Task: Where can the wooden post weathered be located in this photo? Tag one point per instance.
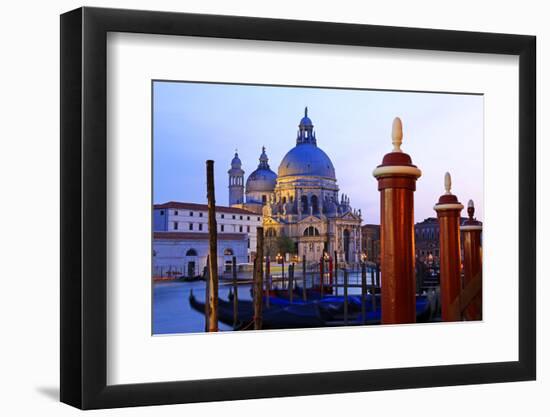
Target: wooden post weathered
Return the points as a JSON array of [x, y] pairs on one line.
[[213, 249], [291, 282], [345, 296], [364, 291], [335, 273], [322, 275], [304, 281], [471, 232], [235, 293], [448, 210], [373, 288], [258, 275], [267, 282], [397, 182], [206, 295]]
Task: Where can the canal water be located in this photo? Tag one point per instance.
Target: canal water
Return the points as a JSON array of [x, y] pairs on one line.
[[173, 314]]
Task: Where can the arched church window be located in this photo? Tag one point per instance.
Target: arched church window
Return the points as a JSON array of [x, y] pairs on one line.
[[305, 205], [311, 231], [191, 252], [264, 199], [284, 200], [315, 204], [228, 252], [271, 232]]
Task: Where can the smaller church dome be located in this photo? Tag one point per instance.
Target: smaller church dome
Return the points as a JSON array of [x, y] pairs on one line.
[[263, 179]]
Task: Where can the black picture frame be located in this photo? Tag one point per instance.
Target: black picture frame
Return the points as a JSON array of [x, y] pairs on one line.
[[84, 207]]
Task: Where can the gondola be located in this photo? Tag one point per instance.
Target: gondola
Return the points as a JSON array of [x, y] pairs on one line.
[[291, 316]]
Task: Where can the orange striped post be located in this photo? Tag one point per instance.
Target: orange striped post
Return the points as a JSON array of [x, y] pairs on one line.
[[471, 232], [448, 210], [397, 182]]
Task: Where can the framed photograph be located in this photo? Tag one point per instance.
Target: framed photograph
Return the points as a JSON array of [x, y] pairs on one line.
[[258, 208]]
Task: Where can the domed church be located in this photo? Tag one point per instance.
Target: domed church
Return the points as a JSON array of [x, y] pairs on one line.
[[301, 201]]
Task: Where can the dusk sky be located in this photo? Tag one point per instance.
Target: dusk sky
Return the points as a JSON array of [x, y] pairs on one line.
[[194, 122]]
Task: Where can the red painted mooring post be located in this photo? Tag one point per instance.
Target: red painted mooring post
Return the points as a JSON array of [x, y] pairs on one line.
[[448, 210], [397, 182], [471, 232]]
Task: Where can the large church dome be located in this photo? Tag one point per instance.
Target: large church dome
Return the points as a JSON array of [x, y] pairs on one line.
[[263, 179], [306, 159]]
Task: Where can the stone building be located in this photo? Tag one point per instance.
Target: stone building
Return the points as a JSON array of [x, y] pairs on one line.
[[370, 242], [302, 201], [180, 237]]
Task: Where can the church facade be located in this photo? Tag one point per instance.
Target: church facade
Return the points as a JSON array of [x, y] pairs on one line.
[[302, 201]]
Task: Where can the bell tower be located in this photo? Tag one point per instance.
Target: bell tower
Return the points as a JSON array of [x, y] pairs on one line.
[[236, 182]]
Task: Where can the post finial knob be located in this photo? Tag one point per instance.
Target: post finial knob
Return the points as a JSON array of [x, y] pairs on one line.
[[448, 183], [397, 135], [471, 209]]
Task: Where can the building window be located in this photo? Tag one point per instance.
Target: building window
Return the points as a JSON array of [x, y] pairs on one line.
[[315, 204], [234, 217], [175, 212], [223, 216], [311, 231], [191, 252], [271, 232], [240, 229], [258, 219], [228, 252], [175, 225], [200, 226], [222, 228], [191, 213], [248, 244], [190, 226], [247, 229], [200, 214], [162, 212], [247, 217], [264, 199]]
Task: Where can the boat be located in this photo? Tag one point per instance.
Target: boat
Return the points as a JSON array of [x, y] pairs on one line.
[[290, 316]]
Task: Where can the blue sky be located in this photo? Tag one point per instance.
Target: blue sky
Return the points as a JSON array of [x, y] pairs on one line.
[[194, 122]]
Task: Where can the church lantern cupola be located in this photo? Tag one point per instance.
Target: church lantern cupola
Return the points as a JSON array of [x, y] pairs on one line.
[[305, 131]]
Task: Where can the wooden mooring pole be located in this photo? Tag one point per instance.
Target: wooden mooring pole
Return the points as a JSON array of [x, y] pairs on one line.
[[471, 232], [213, 249], [345, 296], [448, 210], [291, 282], [335, 273], [322, 275], [363, 291], [397, 182], [373, 288], [258, 275], [267, 281], [206, 295], [304, 278], [235, 293]]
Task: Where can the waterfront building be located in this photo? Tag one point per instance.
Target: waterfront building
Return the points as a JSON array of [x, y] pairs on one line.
[[302, 202], [370, 242], [180, 238], [426, 235]]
